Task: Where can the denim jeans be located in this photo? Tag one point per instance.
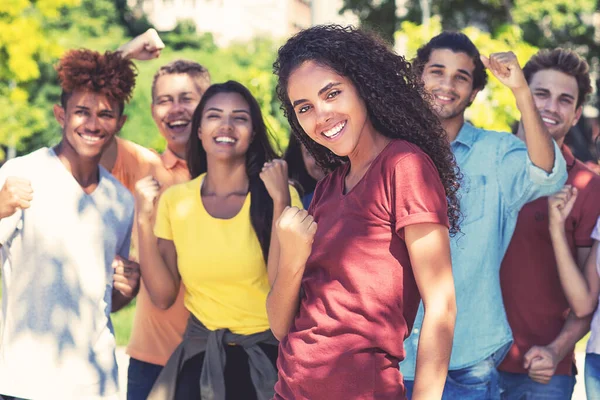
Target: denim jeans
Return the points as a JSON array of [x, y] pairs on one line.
[[521, 387], [140, 378], [592, 376], [477, 382]]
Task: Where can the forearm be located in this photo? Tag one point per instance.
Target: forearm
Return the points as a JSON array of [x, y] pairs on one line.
[[283, 301], [540, 146], [574, 284], [160, 282], [273, 259], [574, 329], [435, 347], [119, 301]]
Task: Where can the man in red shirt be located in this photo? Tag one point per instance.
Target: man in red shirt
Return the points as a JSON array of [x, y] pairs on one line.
[[541, 359]]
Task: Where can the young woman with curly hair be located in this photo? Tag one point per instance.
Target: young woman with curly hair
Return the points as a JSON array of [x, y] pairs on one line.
[[213, 235], [375, 239]]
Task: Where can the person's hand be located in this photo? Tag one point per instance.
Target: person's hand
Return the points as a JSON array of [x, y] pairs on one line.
[[126, 277], [15, 194], [146, 46], [506, 68], [146, 192], [274, 174], [540, 362], [560, 205], [296, 231]]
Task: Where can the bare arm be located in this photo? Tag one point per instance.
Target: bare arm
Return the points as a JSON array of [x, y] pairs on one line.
[[540, 146], [158, 257], [541, 361], [146, 46], [580, 281], [274, 174], [296, 230], [429, 249]]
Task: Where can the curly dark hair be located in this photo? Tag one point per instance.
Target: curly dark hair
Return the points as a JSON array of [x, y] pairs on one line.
[[109, 74], [395, 100], [457, 42], [259, 152], [565, 61]]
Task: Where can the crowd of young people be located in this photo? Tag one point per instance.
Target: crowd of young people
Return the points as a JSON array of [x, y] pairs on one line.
[[396, 251]]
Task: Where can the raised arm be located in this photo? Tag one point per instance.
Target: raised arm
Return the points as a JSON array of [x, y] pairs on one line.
[[296, 231], [158, 257], [581, 283], [429, 249], [540, 146], [275, 177], [146, 46]]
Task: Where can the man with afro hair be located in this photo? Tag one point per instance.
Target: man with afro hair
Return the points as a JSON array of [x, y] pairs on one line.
[[63, 220]]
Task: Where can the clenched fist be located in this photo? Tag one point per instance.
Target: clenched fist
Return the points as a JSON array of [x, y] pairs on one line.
[[506, 68], [296, 231], [560, 205], [274, 174], [146, 192], [15, 194], [146, 46], [126, 278]]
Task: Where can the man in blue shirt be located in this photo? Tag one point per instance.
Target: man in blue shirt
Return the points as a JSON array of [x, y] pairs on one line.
[[501, 174]]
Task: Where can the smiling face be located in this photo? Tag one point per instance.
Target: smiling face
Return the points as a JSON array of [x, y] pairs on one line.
[[89, 122], [328, 107], [555, 95], [226, 126], [175, 98], [448, 77]]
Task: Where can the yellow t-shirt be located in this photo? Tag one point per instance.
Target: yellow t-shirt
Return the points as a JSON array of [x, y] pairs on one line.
[[220, 260]]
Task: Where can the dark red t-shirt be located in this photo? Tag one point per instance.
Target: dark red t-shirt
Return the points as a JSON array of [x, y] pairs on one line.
[[360, 296], [535, 303]]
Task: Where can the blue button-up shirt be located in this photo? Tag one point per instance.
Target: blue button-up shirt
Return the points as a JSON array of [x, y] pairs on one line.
[[498, 179]]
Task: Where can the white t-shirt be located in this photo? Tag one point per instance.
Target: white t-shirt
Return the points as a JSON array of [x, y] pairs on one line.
[[56, 336], [593, 345]]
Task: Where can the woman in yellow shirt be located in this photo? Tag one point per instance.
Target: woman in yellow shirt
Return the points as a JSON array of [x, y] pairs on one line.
[[214, 235]]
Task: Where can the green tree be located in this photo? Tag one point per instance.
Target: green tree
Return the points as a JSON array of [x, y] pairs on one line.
[[376, 15], [24, 46]]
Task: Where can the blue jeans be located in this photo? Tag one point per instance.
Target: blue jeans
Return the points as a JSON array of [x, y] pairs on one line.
[[521, 387], [592, 376], [477, 382], [140, 378]]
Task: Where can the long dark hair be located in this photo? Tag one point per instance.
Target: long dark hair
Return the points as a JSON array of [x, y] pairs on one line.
[[296, 167], [259, 152], [394, 98]]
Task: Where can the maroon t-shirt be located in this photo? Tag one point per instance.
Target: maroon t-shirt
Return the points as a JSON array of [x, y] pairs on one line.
[[535, 303], [360, 297]]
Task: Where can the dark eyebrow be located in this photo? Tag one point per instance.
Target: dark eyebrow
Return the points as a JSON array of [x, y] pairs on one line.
[[465, 72], [567, 95], [82, 108], [213, 109], [241, 111], [323, 90]]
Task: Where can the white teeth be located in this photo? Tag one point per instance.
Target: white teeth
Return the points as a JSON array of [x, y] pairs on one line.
[[91, 139], [549, 121], [178, 123], [444, 98], [335, 130], [225, 139]]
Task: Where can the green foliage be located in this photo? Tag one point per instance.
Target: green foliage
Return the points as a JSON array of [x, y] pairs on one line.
[[24, 44], [123, 323], [543, 23], [494, 108], [376, 15]]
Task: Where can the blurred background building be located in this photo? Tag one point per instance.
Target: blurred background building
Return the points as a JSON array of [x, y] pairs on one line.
[[240, 20]]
